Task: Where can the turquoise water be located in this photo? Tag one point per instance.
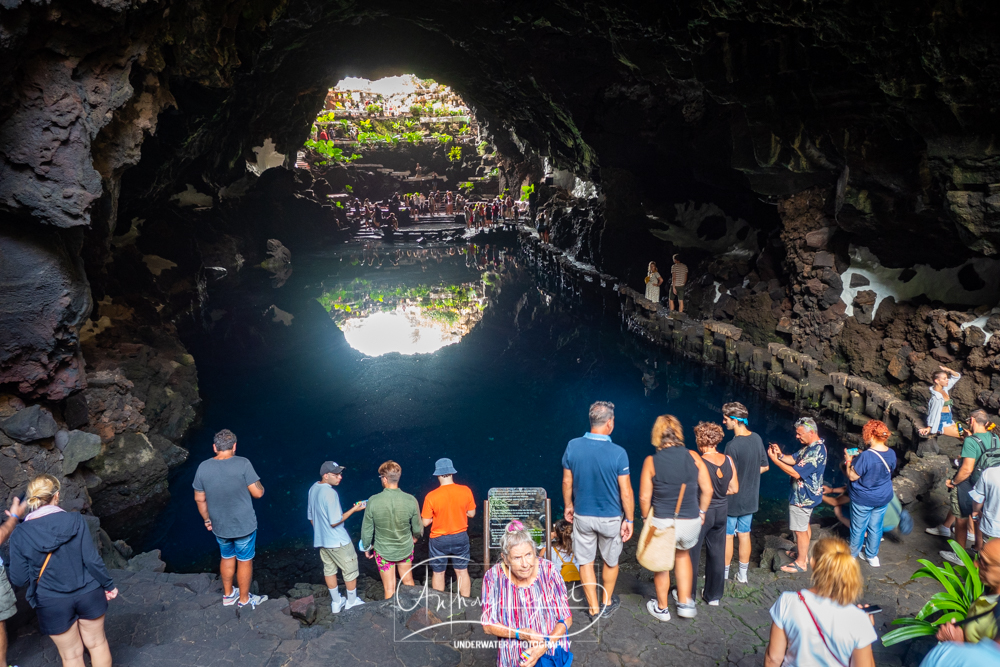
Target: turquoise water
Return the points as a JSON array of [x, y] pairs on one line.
[[501, 403]]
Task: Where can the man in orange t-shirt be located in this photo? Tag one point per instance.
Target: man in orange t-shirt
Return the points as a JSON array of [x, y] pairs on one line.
[[447, 510]]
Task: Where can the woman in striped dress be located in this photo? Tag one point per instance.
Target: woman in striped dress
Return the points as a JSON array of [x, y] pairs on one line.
[[524, 602]]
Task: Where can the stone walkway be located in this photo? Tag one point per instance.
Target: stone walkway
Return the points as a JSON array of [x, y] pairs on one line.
[[178, 619]]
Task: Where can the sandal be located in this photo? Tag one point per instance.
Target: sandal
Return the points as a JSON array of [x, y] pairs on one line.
[[796, 568], [791, 553]]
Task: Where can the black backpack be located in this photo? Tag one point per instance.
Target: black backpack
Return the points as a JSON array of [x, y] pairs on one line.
[[989, 457]]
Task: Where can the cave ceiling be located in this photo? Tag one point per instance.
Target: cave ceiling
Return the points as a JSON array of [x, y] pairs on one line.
[[740, 103]]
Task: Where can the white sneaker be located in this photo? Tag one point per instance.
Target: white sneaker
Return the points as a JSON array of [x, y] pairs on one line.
[[356, 603], [873, 561], [253, 601], [951, 557], [232, 598], [940, 531], [338, 605], [686, 609], [713, 603], [741, 579], [659, 614], [673, 594]]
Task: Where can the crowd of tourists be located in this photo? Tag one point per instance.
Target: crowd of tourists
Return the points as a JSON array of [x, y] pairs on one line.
[[689, 499], [390, 213]]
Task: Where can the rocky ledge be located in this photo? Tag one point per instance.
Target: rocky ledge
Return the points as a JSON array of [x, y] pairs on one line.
[[178, 619]]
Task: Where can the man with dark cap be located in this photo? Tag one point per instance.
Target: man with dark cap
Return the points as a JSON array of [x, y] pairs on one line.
[[447, 510], [330, 536]]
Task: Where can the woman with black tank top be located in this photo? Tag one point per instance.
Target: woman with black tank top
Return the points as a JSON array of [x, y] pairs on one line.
[[674, 477], [722, 472]]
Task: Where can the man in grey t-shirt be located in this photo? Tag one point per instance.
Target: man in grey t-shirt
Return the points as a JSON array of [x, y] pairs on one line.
[[223, 488]]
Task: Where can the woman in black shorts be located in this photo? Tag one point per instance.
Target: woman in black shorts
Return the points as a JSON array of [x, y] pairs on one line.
[[53, 554]]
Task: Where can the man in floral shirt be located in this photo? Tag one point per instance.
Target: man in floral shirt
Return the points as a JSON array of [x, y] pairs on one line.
[[806, 469]]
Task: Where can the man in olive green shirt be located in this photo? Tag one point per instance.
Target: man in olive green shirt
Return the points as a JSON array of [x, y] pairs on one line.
[[390, 528]]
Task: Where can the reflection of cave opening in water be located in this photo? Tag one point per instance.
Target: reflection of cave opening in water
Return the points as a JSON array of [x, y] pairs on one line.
[[404, 330], [379, 319]]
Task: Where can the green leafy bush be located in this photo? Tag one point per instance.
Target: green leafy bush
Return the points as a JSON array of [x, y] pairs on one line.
[[374, 109], [455, 154], [481, 148], [962, 587], [328, 150], [443, 138], [526, 191], [466, 186]]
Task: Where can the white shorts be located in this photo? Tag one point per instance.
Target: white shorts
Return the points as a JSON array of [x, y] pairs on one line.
[[688, 531]]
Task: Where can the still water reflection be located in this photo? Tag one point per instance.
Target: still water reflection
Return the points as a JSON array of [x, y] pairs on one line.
[[350, 378]]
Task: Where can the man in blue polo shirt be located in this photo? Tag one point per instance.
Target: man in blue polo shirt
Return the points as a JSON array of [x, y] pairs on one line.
[[596, 477]]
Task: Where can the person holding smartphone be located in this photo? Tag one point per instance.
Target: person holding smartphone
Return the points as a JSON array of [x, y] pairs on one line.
[[330, 536], [870, 490]]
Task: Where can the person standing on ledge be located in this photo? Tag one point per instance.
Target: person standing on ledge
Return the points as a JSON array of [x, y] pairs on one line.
[[329, 534], [678, 279], [746, 449], [979, 452], [224, 487], [940, 421], [653, 282], [806, 469], [596, 477], [390, 529], [447, 510]]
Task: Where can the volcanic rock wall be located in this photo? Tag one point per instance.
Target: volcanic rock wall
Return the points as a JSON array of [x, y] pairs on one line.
[[762, 140]]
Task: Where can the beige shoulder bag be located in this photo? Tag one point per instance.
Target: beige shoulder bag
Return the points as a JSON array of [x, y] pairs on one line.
[[657, 545]]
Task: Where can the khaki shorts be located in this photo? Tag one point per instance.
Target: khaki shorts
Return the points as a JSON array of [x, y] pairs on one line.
[[961, 501], [798, 518], [8, 603], [680, 293], [343, 559], [593, 532]]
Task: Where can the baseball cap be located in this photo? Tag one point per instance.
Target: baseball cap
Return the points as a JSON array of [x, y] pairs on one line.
[[330, 466]]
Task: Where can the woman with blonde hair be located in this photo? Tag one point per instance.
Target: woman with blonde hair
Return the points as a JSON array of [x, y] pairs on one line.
[[653, 282], [53, 554], [821, 626], [674, 490]]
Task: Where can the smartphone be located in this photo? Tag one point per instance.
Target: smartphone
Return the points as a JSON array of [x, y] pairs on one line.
[[362, 504], [872, 609], [853, 451]]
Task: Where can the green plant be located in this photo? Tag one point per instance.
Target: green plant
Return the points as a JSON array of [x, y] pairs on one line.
[[416, 110], [338, 204], [526, 191], [466, 186], [481, 148], [455, 154], [962, 587], [464, 129], [328, 150], [348, 189], [412, 137], [365, 125], [374, 109], [495, 171], [443, 138]]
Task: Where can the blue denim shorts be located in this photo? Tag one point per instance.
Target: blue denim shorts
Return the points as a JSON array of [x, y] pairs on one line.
[[946, 420], [454, 547], [738, 524], [242, 548]]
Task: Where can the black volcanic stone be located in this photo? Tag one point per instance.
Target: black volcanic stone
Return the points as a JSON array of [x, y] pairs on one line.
[[858, 280], [32, 423]]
